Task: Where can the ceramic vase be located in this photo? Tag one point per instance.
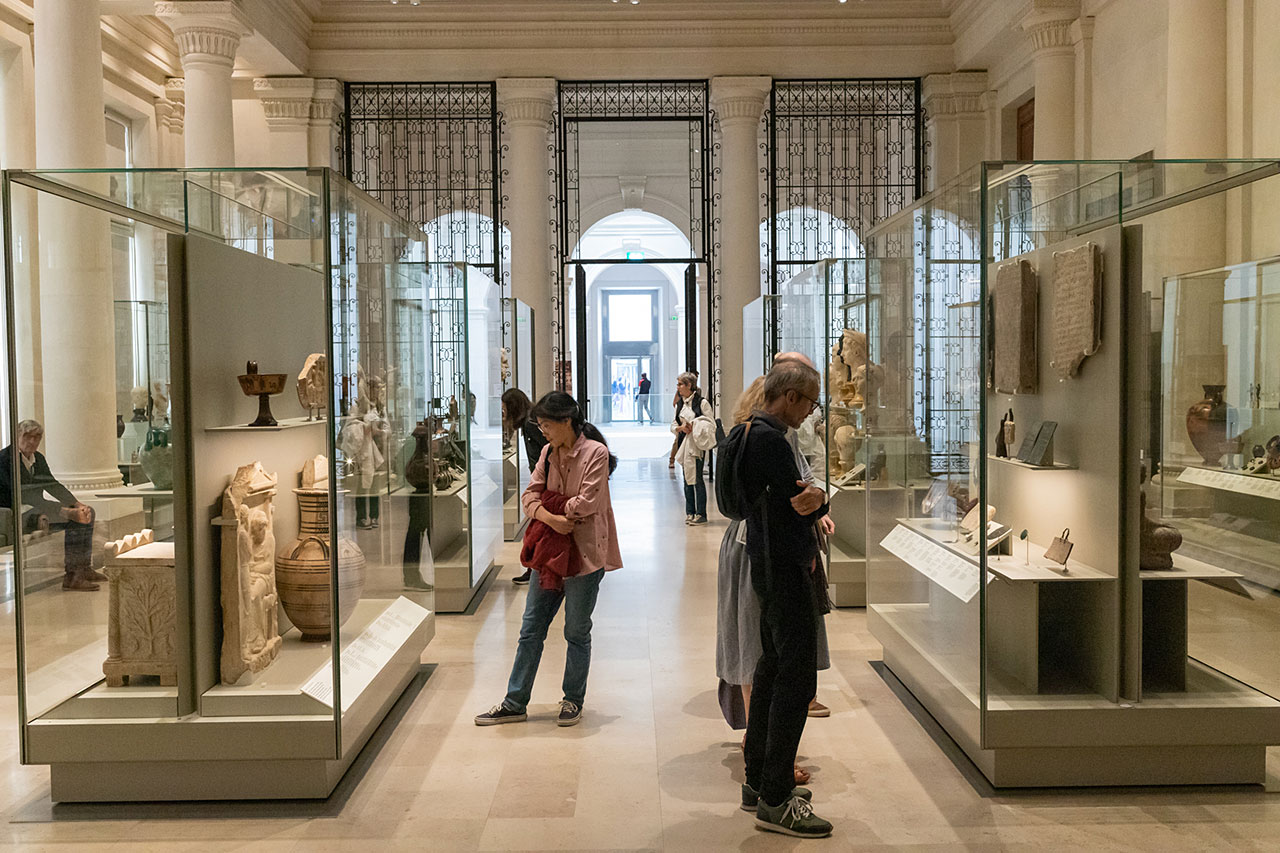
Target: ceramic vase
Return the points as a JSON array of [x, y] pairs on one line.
[[302, 570], [1207, 425], [156, 458], [417, 471], [119, 425]]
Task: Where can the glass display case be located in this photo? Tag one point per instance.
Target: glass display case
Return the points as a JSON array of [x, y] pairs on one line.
[[236, 623], [516, 372], [1076, 581]]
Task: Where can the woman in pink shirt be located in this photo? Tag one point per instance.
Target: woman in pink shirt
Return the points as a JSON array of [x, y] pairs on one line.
[[576, 463]]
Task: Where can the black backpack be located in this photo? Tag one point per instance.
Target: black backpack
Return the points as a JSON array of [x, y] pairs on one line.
[[730, 486]]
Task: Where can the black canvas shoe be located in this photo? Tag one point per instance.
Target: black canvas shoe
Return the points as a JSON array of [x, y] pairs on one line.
[[794, 817], [523, 579], [751, 797], [499, 714], [570, 714]]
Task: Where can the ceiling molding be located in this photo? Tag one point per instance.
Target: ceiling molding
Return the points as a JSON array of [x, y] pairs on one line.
[[570, 35]]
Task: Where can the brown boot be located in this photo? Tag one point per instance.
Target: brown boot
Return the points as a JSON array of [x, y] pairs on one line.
[[78, 583], [95, 576]]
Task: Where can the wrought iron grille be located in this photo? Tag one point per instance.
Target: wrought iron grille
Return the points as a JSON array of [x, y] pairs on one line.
[[430, 151], [580, 102], [843, 155]]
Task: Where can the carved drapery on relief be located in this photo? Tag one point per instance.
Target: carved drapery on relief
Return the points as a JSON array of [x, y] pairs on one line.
[[250, 629], [142, 610]]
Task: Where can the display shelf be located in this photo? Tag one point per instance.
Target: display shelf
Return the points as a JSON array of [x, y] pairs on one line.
[[286, 423], [1254, 485], [1018, 463], [142, 490], [1253, 557]]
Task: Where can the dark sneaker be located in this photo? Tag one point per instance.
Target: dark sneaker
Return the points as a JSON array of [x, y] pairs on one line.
[[570, 714], [78, 584], [699, 519], [524, 578], [751, 797], [794, 817], [499, 714]]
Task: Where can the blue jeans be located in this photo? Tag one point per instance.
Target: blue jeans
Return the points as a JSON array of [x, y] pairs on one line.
[[695, 496], [540, 607]]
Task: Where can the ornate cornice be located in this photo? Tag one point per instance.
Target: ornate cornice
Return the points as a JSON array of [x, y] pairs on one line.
[[175, 89], [164, 114], [179, 117]]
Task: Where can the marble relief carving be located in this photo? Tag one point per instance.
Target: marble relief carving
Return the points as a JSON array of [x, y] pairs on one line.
[[250, 626], [1077, 308], [1016, 310], [313, 385], [142, 611]]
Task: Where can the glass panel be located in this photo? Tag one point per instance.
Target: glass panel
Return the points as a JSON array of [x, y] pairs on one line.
[[484, 421]]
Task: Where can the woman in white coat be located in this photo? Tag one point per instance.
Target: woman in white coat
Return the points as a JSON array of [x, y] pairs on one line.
[[696, 420]]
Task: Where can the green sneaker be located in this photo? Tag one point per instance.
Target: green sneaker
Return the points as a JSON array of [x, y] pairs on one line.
[[750, 796], [794, 817]]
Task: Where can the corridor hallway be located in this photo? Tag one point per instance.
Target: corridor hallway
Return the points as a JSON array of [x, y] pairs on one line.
[[652, 765]]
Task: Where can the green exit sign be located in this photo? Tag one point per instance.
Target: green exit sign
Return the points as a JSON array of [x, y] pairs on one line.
[[635, 256]]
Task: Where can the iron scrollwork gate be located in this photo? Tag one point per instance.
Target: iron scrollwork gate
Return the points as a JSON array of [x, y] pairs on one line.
[[430, 152]]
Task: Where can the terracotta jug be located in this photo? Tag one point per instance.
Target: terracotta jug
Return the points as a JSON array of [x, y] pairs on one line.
[[1207, 425], [302, 570]]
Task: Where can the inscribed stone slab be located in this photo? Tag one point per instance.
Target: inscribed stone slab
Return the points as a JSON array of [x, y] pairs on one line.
[[1077, 308], [1017, 306]]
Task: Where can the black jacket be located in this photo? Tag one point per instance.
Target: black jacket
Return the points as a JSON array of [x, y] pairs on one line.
[[34, 486], [779, 539], [534, 441]]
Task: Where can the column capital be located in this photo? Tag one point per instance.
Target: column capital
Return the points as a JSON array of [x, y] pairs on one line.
[[527, 101], [960, 94], [328, 101], [286, 101], [1048, 23], [739, 99], [209, 30]]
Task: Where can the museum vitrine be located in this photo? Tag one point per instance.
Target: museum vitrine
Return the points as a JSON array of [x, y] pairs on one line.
[[283, 607], [1079, 581]]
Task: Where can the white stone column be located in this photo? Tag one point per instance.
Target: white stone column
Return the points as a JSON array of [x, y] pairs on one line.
[[1048, 24], [955, 105], [1082, 40], [327, 105], [738, 103], [286, 101], [77, 330], [1196, 99], [208, 35], [528, 105]]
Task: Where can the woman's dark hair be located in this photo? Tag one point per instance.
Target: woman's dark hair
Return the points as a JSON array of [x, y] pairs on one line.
[[559, 406], [517, 406]]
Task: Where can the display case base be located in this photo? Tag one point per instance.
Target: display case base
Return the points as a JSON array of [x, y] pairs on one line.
[[1214, 735], [454, 593]]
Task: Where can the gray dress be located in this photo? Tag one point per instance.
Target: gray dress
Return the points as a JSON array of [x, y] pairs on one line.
[[738, 643]]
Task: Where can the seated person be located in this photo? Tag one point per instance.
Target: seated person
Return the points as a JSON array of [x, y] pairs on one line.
[[51, 505]]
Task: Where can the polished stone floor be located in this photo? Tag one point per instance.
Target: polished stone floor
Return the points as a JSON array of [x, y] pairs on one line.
[[652, 766]]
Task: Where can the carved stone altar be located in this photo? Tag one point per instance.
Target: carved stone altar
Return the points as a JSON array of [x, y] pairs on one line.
[[250, 626], [142, 612]]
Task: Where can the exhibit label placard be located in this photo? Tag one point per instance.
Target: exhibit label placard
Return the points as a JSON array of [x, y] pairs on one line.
[[366, 655]]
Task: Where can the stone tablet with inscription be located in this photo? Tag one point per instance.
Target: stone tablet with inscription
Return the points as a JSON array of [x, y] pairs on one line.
[[1016, 309], [1076, 331]]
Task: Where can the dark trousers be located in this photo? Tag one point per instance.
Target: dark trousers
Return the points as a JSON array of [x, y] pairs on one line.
[[786, 679], [695, 496], [367, 508]]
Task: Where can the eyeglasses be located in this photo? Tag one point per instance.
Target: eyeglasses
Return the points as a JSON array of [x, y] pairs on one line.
[[813, 404]]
